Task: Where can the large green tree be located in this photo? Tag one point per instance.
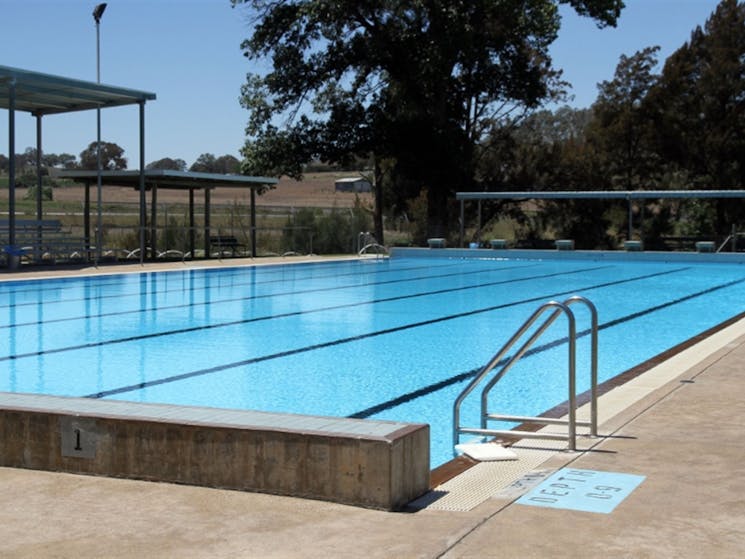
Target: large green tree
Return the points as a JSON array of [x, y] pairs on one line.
[[622, 134], [621, 126], [168, 164], [419, 83], [208, 163], [551, 150], [112, 157], [700, 108]]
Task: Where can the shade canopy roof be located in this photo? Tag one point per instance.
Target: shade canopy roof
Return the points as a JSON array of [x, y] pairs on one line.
[[599, 194], [162, 178], [43, 94]]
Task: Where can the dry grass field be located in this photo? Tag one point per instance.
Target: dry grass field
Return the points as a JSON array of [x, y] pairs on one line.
[[316, 190], [229, 214]]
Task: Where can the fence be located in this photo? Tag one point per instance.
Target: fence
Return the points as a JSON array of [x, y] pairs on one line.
[[177, 242]]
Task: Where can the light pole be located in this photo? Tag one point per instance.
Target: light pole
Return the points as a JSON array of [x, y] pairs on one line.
[[97, 13]]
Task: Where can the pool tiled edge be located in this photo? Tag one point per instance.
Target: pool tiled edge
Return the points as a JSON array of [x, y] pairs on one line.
[[592, 255], [375, 464]]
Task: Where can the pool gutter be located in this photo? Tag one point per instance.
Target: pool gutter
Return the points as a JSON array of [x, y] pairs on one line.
[[594, 255]]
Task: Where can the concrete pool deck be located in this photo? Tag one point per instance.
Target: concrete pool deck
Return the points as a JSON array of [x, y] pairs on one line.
[[685, 433]]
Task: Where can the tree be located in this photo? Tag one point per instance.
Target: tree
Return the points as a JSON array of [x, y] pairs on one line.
[[27, 161], [419, 83], [112, 157], [227, 165], [205, 163], [622, 121], [66, 161], [549, 150], [168, 164], [535, 153], [622, 133], [700, 108], [224, 165]]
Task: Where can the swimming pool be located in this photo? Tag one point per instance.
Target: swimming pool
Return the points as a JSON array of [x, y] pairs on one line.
[[388, 339]]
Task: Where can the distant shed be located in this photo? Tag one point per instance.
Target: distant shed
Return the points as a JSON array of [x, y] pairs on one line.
[[353, 184]]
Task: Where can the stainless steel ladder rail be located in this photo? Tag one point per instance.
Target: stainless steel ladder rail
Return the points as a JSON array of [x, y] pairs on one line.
[[560, 307], [571, 422], [593, 423], [366, 241]]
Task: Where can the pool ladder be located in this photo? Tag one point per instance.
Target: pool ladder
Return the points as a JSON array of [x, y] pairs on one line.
[[367, 243], [571, 421]]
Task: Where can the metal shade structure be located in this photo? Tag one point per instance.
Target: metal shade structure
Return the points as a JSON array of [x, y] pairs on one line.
[[154, 179], [166, 178], [599, 194], [43, 94]]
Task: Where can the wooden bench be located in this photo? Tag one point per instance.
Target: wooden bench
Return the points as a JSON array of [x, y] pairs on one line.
[[223, 242]]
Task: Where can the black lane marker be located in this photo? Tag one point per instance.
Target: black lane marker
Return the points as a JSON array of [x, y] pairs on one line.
[[254, 297], [340, 341], [147, 276], [103, 281], [140, 337], [429, 389], [264, 296]]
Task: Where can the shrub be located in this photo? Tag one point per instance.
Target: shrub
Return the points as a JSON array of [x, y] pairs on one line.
[[332, 233]]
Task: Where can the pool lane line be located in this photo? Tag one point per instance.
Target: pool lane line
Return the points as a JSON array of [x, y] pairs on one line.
[[270, 295], [237, 322], [207, 272], [431, 388], [340, 341], [243, 299], [266, 295], [145, 275], [60, 282], [114, 279]]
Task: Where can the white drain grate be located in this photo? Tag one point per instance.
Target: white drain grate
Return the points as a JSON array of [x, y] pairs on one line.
[[482, 481]]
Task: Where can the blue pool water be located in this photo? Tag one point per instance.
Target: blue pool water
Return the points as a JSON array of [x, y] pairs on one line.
[[390, 339]]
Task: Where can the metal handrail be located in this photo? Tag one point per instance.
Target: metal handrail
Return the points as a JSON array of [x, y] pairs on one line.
[[364, 238], [571, 422], [378, 249], [366, 241]]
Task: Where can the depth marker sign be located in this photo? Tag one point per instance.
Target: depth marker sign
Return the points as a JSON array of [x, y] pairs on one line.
[[585, 490]]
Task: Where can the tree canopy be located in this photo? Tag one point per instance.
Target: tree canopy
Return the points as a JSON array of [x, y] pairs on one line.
[[168, 164], [678, 128], [208, 163], [112, 157], [701, 100], [416, 83], [622, 115]]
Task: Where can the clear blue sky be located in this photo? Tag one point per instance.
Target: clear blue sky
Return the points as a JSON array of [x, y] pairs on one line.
[[188, 53]]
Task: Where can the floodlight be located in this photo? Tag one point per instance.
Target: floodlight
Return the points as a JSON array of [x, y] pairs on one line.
[[98, 12]]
